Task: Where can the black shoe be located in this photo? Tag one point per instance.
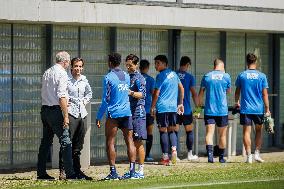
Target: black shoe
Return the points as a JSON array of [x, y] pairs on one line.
[[82, 174], [75, 177], [45, 177]]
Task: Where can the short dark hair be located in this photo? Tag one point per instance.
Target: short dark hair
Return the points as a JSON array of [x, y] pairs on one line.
[[251, 58], [133, 58], [217, 61], [114, 58], [144, 64], [75, 60], [162, 58], [184, 60]]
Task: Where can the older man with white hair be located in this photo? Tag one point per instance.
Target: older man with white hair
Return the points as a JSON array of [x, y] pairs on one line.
[[54, 116]]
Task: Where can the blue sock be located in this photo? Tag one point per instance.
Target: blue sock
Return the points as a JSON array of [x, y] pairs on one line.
[[164, 140], [112, 169], [221, 153], [189, 140], [132, 167], [209, 149], [149, 143], [173, 138]]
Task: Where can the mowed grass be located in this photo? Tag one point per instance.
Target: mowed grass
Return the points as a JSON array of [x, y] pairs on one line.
[[183, 175]]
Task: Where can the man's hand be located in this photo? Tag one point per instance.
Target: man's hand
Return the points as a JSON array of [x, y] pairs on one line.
[[98, 123], [180, 109], [152, 112], [66, 122]]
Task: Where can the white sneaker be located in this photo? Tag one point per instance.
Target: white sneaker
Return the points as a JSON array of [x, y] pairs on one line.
[[258, 158], [191, 157], [249, 159]]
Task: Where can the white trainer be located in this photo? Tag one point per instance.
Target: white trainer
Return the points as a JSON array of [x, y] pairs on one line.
[[258, 158], [191, 157], [249, 159]]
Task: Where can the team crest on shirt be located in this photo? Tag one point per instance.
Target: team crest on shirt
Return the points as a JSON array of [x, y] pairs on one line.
[[252, 75], [123, 87], [217, 76], [171, 75], [181, 75]]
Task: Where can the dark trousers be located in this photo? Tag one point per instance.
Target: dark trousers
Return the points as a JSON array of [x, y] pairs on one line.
[[52, 120], [77, 130]]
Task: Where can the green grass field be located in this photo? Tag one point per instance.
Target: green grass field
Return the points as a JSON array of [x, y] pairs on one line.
[[184, 175]]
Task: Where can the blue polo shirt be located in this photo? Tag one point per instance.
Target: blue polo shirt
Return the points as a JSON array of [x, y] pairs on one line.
[[167, 83], [137, 84], [187, 81], [115, 95], [216, 84], [150, 84], [251, 83]]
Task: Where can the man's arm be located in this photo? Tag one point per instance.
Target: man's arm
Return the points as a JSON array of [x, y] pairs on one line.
[[154, 101], [194, 96], [63, 105], [200, 96], [265, 100], [237, 96]]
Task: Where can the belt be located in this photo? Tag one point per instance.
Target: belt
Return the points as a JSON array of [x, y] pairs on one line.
[[51, 107]]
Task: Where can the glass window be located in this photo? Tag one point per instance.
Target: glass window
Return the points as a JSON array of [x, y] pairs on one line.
[[94, 50], [281, 92], [5, 91], [128, 42], [29, 61], [154, 42], [65, 38]]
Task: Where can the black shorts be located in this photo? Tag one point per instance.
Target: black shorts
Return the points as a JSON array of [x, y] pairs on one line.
[[184, 119], [149, 120], [219, 121], [166, 119], [123, 122], [249, 119]]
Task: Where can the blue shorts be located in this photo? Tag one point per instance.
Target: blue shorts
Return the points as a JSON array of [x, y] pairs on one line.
[[219, 121], [166, 119], [184, 119], [123, 122], [139, 129], [248, 119], [149, 120]]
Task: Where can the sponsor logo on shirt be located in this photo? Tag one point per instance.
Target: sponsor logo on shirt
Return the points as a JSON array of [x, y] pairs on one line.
[[252, 75], [123, 87], [171, 75], [181, 75], [217, 76]]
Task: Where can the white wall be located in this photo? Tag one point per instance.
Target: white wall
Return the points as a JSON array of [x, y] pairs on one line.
[[154, 16], [277, 4]]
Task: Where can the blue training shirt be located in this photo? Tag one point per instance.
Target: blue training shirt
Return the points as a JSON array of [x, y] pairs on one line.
[[216, 84], [137, 84], [150, 85], [187, 81], [167, 83], [115, 95], [251, 83]]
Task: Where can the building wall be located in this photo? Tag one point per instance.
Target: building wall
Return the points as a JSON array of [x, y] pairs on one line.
[[31, 32]]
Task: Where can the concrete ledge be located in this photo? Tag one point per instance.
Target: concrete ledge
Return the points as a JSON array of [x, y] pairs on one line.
[[138, 16]]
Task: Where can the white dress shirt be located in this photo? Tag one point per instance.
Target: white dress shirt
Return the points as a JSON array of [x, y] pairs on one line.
[[80, 93], [54, 85]]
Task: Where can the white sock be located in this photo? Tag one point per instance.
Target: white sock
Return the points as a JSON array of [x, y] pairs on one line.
[[190, 153], [256, 152], [141, 168], [165, 156]]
